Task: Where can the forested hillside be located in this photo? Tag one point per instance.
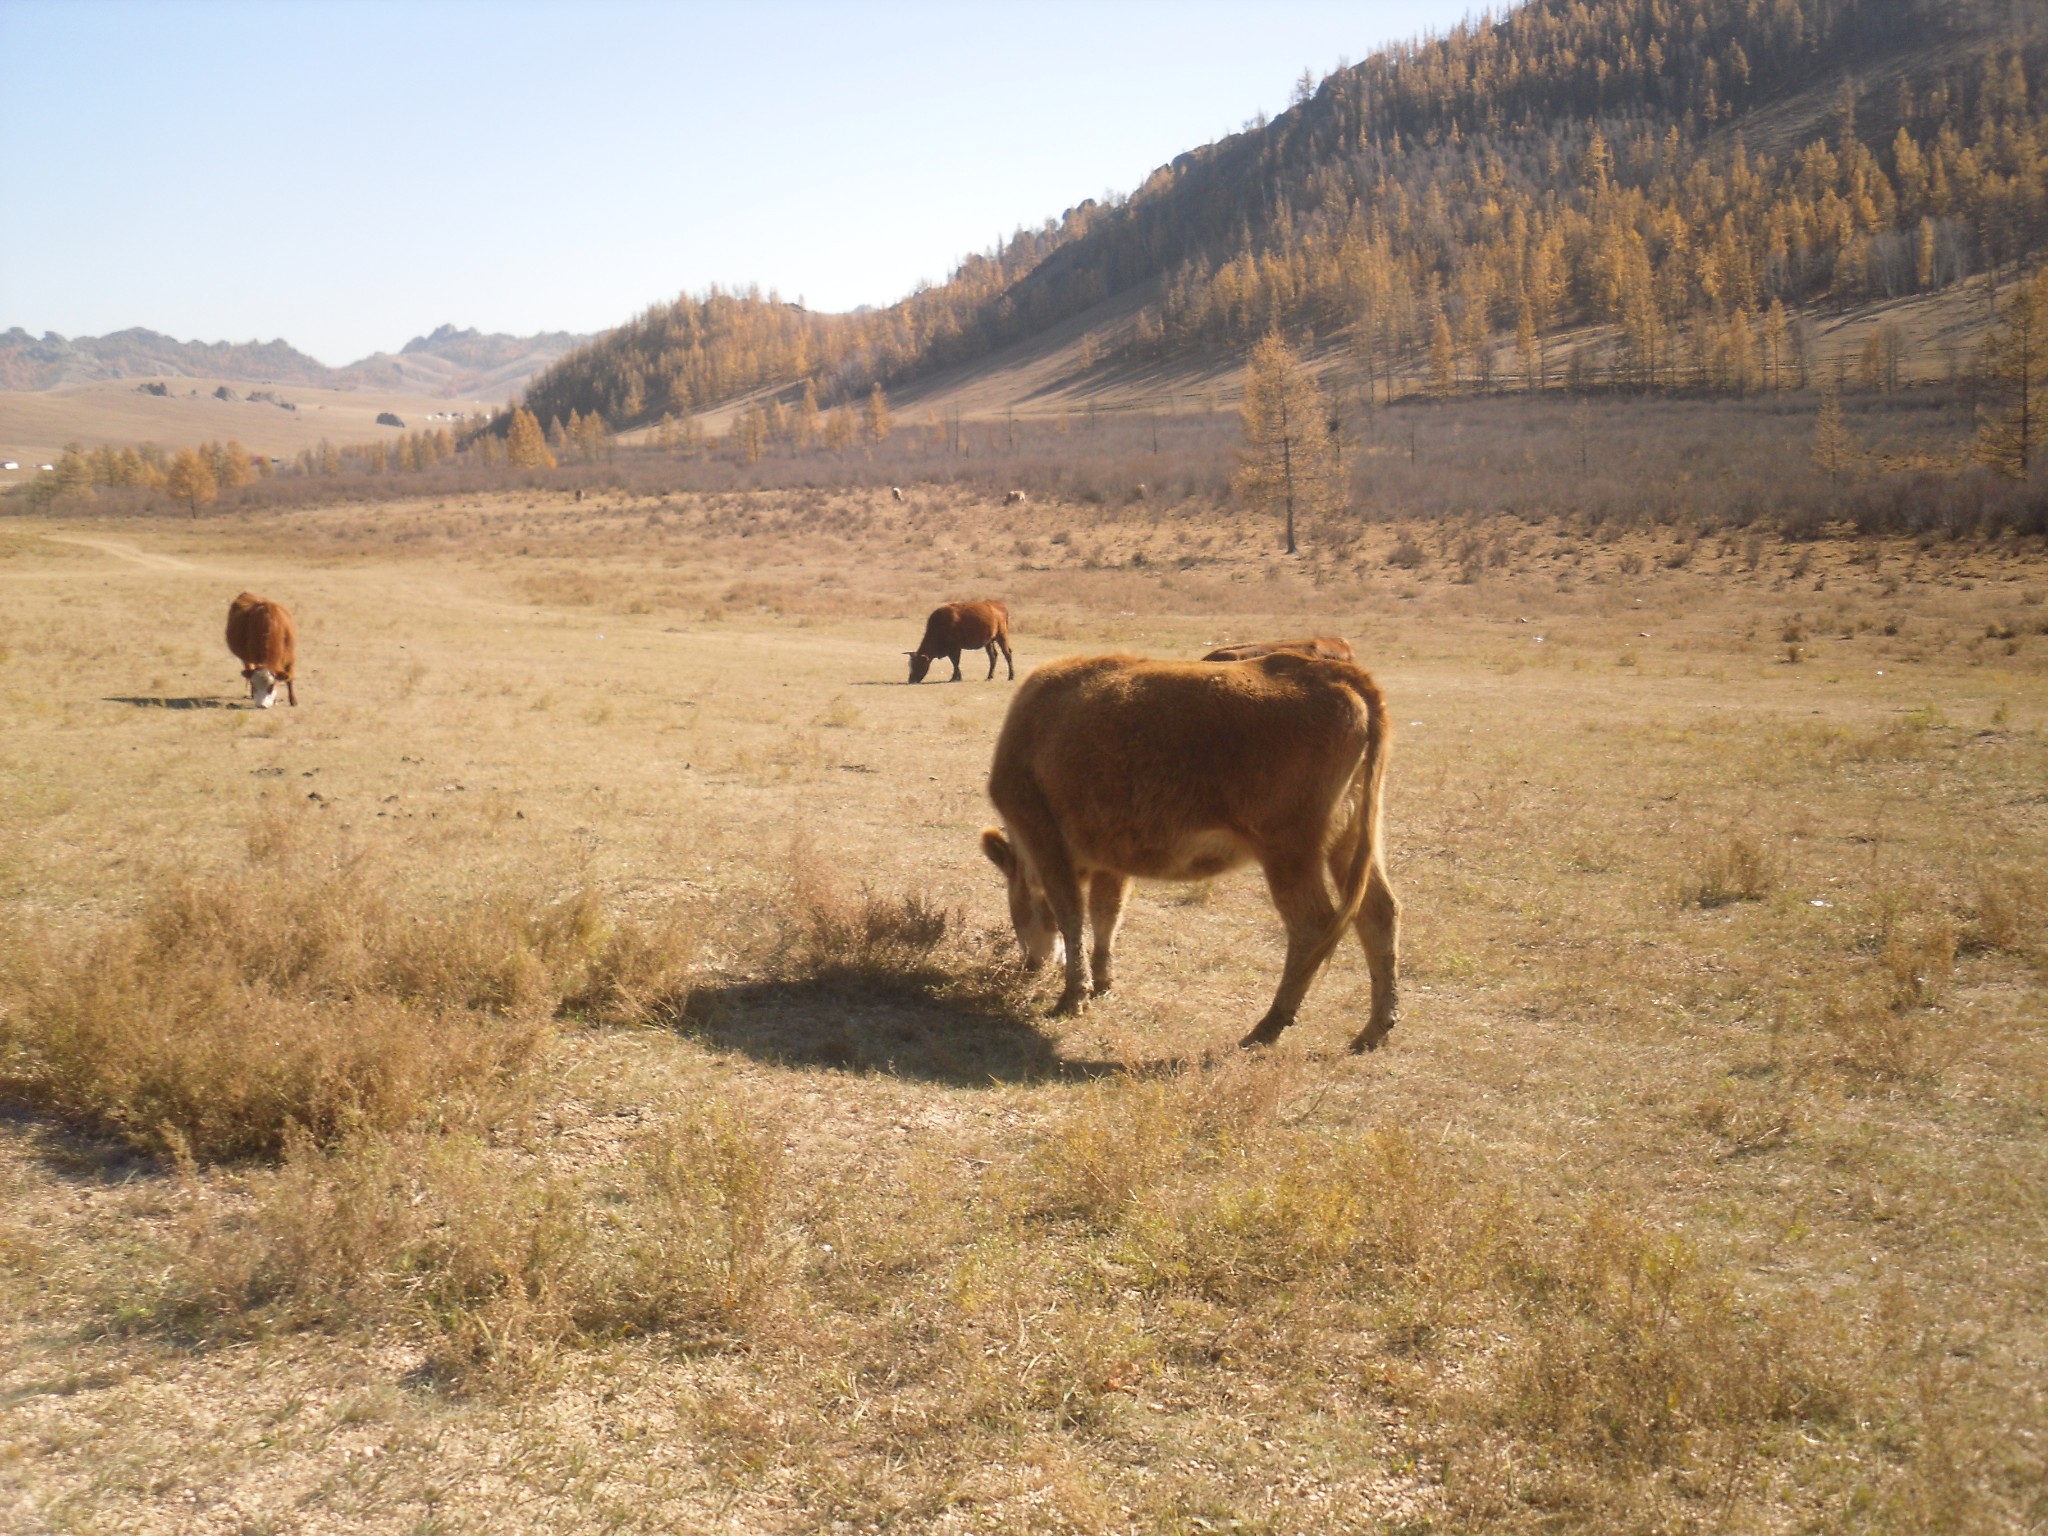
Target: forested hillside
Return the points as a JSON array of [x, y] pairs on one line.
[[1689, 173]]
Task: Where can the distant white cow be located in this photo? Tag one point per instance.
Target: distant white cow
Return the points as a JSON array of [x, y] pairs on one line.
[[895, 493], [1015, 499]]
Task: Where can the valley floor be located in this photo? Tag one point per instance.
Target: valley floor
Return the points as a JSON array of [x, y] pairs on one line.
[[1698, 1188]]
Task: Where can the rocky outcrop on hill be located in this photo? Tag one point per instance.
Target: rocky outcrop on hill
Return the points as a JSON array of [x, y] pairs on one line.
[[487, 366]]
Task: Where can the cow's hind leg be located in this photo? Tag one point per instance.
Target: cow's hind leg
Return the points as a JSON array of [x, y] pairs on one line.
[[1379, 932], [1008, 660], [991, 649], [1038, 837], [1297, 887], [1106, 892]]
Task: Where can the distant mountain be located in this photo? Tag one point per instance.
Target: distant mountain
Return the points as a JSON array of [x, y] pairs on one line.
[[471, 362], [448, 362], [29, 363]]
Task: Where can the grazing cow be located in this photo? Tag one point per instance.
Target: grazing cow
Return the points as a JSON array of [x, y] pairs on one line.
[[895, 493], [957, 627], [1109, 768], [264, 640], [1329, 647], [1014, 498]]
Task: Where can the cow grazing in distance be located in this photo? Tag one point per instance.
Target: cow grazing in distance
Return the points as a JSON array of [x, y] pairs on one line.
[[1329, 647], [956, 627], [1014, 498], [895, 493], [1111, 768], [265, 641]]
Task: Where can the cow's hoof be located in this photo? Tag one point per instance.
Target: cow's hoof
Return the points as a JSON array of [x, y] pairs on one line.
[[1371, 1037], [1069, 1005], [1266, 1033]]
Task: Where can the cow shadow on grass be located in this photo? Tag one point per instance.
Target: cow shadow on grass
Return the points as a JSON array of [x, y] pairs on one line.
[[196, 701], [878, 1027]]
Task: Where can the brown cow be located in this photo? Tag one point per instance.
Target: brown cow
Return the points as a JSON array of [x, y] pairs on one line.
[[1330, 647], [264, 640], [1109, 768], [957, 627]]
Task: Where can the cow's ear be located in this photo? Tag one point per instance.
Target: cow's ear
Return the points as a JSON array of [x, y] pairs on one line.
[[999, 852]]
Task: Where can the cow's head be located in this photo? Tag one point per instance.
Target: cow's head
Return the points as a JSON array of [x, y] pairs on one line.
[[1038, 932], [262, 686], [919, 665]]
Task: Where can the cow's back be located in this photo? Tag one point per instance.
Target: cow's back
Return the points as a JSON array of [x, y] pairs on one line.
[[261, 634], [1329, 647], [963, 626], [1128, 753]]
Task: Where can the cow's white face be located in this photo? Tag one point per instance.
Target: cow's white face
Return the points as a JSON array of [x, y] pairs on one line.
[[262, 687], [1038, 932]]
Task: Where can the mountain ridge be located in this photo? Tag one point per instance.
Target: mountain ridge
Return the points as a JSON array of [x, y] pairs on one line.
[[447, 361]]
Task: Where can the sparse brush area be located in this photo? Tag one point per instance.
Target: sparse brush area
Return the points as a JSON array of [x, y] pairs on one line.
[[571, 1074], [235, 1012]]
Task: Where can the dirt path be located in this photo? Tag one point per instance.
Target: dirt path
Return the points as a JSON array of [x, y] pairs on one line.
[[121, 551]]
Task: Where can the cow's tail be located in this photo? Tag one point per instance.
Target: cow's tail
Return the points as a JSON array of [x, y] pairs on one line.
[[1368, 777]]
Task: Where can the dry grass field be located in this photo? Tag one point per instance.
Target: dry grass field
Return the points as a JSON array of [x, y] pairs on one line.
[[569, 1075], [36, 424]]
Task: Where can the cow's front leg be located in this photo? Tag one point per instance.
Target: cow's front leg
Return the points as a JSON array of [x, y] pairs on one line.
[[954, 657], [1106, 892], [1064, 897]]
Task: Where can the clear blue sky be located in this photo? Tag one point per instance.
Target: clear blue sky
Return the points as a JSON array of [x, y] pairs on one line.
[[349, 175]]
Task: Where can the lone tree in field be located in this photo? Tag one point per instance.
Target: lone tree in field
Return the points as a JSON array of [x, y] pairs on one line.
[[1832, 449], [1288, 463], [2014, 366], [875, 420], [526, 446], [190, 480]]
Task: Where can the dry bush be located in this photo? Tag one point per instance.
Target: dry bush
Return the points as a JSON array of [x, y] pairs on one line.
[[710, 1255], [426, 1228], [500, 1263], [1121, 1137], [1633, 1347], [1732, 866], [2010, 911], [231, 1012], [900, 943], [1588, 1333], [1919, 958], [1873, 1034]]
